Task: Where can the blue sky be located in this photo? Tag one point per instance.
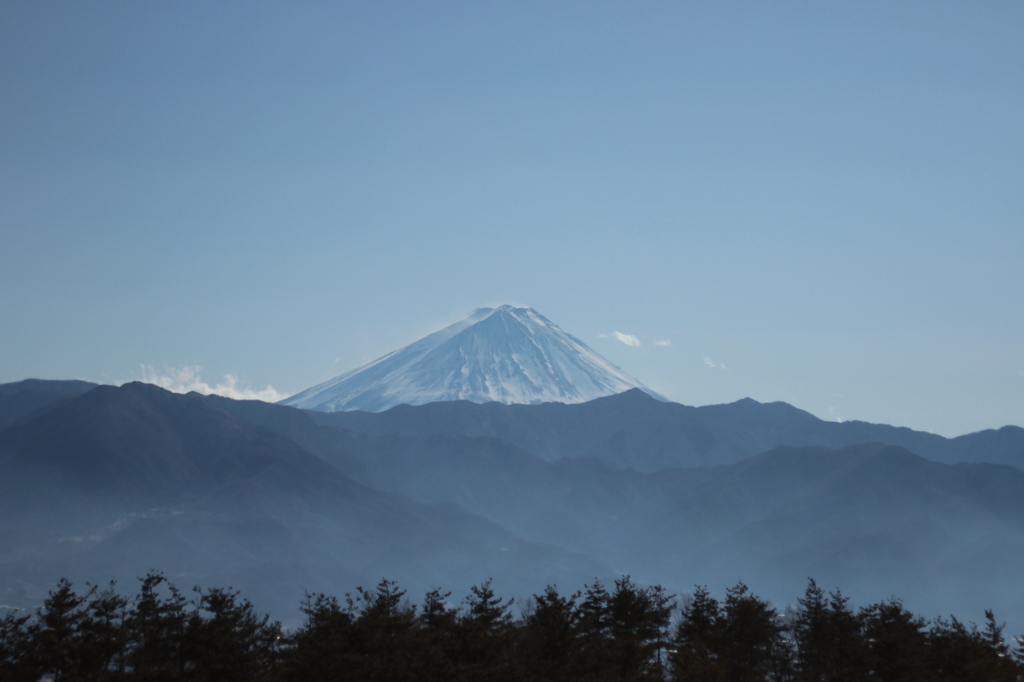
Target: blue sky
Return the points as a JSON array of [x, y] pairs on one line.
[[821, 203]]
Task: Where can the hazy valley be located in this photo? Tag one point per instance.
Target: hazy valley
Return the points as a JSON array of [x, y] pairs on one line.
[[109, 482]]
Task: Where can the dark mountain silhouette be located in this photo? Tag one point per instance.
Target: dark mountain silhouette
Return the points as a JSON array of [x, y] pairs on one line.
[[122, 480], [24, 398], [876, 519], [274, 499], [633, 430]]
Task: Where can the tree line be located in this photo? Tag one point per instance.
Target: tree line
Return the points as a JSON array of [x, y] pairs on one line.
[[619, 632]]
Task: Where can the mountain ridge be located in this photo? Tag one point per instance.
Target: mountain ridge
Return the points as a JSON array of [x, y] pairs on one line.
[[122, 480], [874, 518], [274, 499], [633, 430]]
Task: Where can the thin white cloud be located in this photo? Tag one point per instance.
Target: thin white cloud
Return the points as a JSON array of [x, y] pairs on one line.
[[714, 365], [835, 415], [602, 336], [663, 343], [187, 379], [627, 339]]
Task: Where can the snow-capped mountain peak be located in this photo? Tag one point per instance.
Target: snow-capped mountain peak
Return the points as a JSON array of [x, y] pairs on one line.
[[504, 354]]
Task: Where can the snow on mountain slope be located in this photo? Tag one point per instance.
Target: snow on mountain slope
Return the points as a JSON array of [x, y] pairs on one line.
[[506, 355]]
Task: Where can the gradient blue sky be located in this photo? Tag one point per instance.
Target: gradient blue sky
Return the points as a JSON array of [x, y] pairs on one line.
[[816, 202]]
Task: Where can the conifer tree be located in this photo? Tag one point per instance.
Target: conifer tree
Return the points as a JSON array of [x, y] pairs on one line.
[[320, 647], [594, 623], [898, 649], [15, 664], [549, 645], [56, 635], [437, 633], [158, 650], [638, 623], [848, 648], [810, 633], [962, 653], [698, 640], [382, 635], [229, 640], [830, 646], [485, 635], [751, 645], [105, 633]]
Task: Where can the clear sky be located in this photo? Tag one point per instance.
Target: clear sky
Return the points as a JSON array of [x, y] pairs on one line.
[[816, 202]]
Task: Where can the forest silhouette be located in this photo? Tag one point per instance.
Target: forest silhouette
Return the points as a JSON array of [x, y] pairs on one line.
[[619, 632]]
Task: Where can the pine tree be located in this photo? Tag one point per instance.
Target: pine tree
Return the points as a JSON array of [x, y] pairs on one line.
[[830, 645], [229, 640], [846, 656], [15, 664], [810, 633], [320, 647], [638, 623], [159, 650], [961, 653], [437, 627], [698, 640], [105, 633], [549, 645], [898, 646], [383, 634], [485, 635], [595, 633], [751, 646], [56, 634]]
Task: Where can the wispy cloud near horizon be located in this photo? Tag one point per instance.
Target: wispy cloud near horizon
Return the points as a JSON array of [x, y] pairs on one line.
[[187, 379], [663, 343]]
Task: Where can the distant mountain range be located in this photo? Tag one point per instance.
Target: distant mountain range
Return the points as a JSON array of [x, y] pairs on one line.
[[100, 482], [506, 355], [633, 430], [120, 480]]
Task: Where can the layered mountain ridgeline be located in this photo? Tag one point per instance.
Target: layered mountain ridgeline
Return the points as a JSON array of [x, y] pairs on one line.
[[875, 517], [23, 398], [123, 479], [566, 401], [276, 499], [633, 430], [619, 631]]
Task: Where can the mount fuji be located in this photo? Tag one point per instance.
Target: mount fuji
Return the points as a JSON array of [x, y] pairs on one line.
[[506, 355]]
